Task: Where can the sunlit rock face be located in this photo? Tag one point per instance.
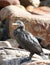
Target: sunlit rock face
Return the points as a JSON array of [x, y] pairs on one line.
[[14, 56], [25, 3], [4, 3], [35, 3]]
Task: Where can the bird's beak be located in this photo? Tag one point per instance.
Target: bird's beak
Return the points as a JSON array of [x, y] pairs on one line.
[[15, 24]]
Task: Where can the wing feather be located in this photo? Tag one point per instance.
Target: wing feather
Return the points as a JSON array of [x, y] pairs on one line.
[[32, 40]]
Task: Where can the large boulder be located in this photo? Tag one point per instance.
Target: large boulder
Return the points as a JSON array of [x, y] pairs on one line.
[[36, 24]]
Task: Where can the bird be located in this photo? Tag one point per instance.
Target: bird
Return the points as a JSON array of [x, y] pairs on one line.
[[26, 40]]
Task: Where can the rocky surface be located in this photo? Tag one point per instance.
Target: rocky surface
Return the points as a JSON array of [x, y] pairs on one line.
[[13, 43], [4, 3], [35, 3], [43, 10], [13, 56], [38, 63]]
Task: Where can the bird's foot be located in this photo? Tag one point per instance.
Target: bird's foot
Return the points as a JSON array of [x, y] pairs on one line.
[[27, 59]]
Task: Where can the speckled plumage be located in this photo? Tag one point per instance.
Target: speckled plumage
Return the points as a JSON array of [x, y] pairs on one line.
[[27, 41]]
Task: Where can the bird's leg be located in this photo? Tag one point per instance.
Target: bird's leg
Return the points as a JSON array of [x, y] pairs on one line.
[[30, 56], [26, 59]]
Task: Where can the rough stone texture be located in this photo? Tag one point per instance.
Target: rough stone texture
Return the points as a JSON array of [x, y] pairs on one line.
[[14, 56], [36, 24], [5, 44], [4, 3], [10, 57], [35, 3], [43, 10], [13, 43], [38, 63]]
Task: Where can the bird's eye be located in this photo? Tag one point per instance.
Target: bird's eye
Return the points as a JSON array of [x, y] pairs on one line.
[[18, 29]]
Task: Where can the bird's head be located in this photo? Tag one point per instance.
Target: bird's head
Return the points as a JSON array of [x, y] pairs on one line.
[[19, 23]]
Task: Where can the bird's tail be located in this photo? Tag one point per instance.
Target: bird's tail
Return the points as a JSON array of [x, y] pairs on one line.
[[44, 56]]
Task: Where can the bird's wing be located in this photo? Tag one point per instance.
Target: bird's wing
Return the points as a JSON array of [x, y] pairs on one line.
[[33, 40]]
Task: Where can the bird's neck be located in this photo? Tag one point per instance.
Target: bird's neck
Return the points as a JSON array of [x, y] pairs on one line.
[[21, 28]]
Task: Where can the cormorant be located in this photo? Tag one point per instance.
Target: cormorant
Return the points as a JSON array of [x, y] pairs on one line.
[[26, 40]]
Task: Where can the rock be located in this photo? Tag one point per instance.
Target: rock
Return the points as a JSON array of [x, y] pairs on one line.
[[38, 63], [11, 56], [39, 10], [4, 16], [45, 8], [35, 3], [36, 24], [45, 3], [46, 51], [4, 3], [5, 44], [13, 43]]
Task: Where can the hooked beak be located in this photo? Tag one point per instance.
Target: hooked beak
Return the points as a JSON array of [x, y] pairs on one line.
[[15, 24]]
